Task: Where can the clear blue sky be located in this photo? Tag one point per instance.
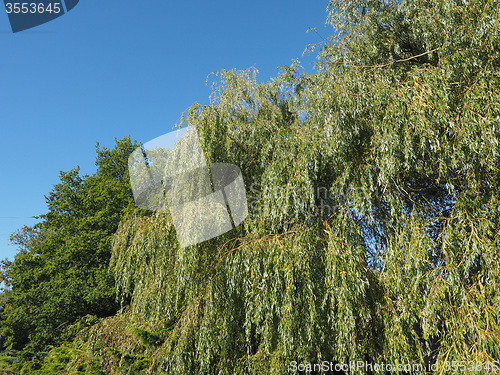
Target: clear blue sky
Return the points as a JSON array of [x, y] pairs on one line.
[[111, 69]]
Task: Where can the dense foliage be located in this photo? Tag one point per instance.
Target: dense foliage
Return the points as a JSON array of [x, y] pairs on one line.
[[61, 273], [373, 188]]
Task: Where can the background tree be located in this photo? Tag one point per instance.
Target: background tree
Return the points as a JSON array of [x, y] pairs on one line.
[[61, 271]]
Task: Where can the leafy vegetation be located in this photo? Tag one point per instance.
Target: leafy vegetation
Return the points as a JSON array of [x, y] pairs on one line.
[[61, 273], [373, 190]]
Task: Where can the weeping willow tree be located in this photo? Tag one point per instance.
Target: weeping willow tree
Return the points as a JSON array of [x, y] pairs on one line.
[[373, 191]]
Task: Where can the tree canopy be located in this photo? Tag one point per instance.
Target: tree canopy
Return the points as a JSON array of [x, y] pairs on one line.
[[373, 190], [61, 272]]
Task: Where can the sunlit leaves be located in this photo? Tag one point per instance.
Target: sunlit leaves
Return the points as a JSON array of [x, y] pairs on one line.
[[399, 132]]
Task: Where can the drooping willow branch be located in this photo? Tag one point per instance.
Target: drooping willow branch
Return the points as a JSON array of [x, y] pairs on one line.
[[383, 65]]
